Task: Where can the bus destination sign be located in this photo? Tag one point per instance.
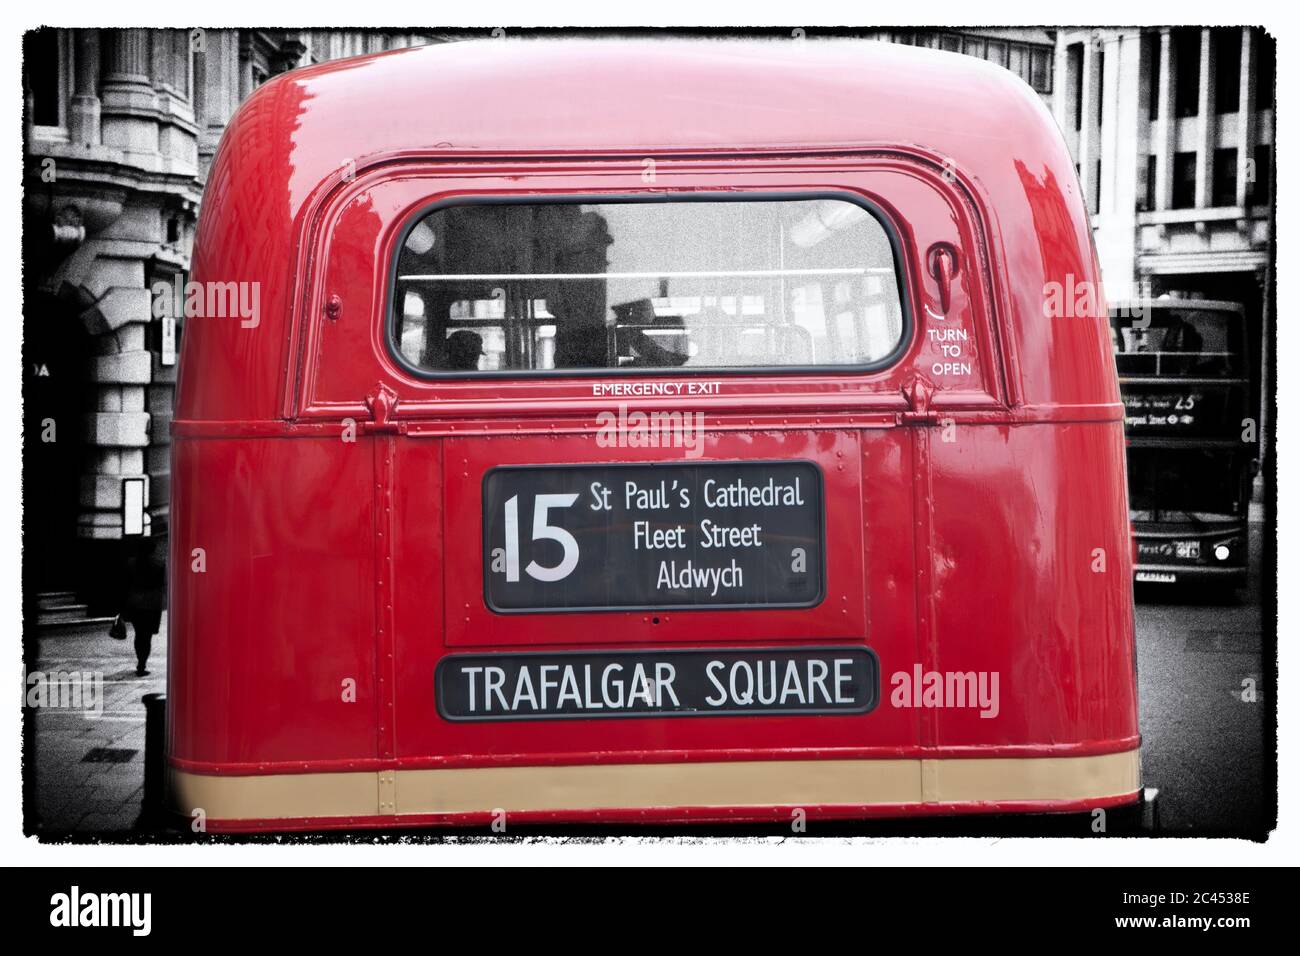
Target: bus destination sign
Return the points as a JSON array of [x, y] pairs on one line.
[[605, 537]]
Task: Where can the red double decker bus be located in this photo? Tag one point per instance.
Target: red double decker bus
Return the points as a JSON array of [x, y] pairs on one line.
[[647, 431]]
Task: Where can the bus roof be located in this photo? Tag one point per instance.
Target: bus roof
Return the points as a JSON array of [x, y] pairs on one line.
[[521, 96]]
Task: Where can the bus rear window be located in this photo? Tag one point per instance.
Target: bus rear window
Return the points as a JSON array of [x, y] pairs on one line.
[[702, 284]]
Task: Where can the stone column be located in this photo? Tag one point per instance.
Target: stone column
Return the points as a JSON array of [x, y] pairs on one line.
[[128, 57], [1124, 151], [1063, 85], [1163, 145], [1089, 129], [1246, 132], [128, 98], [247, 80], [117, 431], [1113, 163], [220, 94], [83, 115], [1205, 124]]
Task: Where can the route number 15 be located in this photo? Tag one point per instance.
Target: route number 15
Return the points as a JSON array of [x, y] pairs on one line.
[[541, 531]]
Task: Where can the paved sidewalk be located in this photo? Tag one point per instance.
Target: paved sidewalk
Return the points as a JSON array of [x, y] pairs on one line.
[[80, 786]]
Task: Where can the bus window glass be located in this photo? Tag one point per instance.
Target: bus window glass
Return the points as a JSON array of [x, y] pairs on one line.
[[550, 286], [1185, 481], [1178, 342]]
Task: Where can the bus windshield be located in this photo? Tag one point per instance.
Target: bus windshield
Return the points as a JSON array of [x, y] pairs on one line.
[[1177, 342]]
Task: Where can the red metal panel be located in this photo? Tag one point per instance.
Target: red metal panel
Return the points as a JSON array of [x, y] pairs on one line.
[[282, 614], [1031, 564], [437, 613]]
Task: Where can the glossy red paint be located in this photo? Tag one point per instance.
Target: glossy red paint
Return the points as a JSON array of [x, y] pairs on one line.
[[326, 561]]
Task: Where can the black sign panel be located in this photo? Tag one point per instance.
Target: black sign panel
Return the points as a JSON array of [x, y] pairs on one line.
[[707, 535], [1182, 410], [717, 682]]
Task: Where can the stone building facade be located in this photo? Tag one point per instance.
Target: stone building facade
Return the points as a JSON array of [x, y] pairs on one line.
[[1028, 52], [1172, 133], [120, 128]]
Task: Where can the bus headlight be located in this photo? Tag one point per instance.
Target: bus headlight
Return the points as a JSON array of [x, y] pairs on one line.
[[1222, 552]]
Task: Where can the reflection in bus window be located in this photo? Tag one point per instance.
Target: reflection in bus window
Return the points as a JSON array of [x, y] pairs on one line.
[[653, 285]]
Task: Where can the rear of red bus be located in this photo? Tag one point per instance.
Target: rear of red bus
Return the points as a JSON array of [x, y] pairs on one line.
[[731, 446]]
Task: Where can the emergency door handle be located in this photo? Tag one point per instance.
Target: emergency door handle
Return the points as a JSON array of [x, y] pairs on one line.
[[918, 391], [943, 269], [382, 402]]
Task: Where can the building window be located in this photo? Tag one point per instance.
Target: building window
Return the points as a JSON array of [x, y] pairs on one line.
[[1224, 190], [1152, 41], [1187, 74], [1184, 181], [1033, 64], [1101, 84], [1040, 69], [42, 69], [524, 287], [1266, 51], [1074, 64], [1017, 61], [1227, 69], [1148, 202]]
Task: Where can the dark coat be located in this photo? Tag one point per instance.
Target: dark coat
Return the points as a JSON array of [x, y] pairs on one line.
[[146, 577]]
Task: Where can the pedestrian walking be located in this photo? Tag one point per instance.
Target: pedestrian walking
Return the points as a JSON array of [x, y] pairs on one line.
[[146, 588]]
